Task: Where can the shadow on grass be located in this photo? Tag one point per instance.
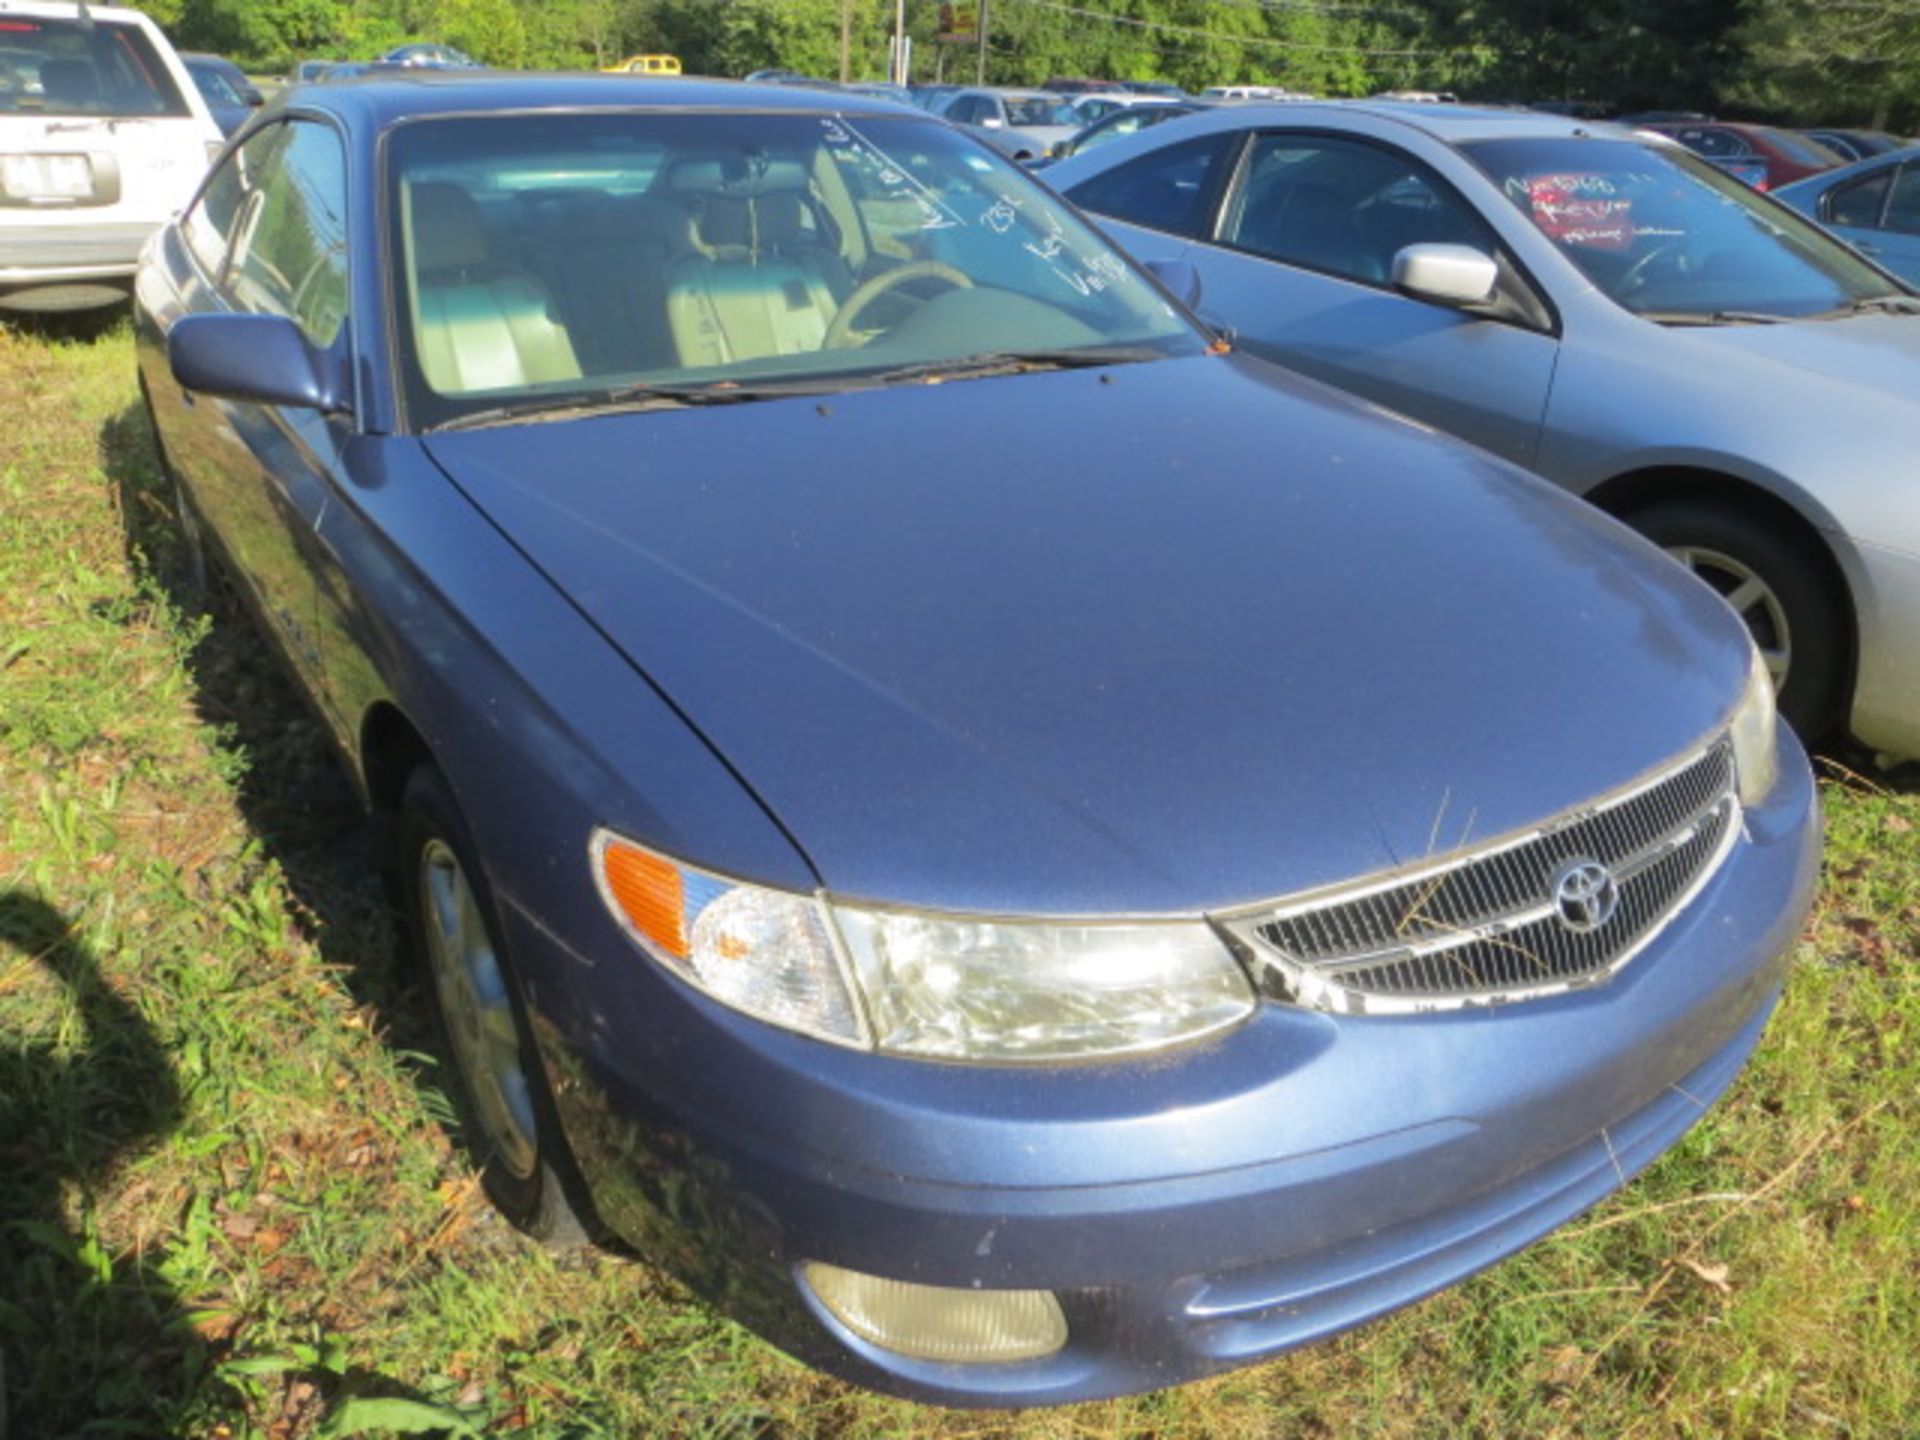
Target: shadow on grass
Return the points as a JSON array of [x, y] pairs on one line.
[[296, 799], [77, 326], [300, 807], [90, 1339]]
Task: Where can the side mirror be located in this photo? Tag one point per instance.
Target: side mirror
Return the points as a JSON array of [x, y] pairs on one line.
[[264, 358], [1180, 277], [1456, 275]]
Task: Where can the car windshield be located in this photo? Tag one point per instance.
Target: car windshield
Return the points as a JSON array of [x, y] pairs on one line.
[[1668, 236], [1024, 110], [82, 66], [598, 259]]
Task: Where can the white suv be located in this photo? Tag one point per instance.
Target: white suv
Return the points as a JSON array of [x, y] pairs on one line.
[[103, 136]]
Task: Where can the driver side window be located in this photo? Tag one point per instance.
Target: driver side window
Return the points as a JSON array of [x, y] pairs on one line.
[[1344, 207]]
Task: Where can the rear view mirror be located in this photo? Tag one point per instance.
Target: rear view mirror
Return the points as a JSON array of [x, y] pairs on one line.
[[264, 358], [1446, 274]]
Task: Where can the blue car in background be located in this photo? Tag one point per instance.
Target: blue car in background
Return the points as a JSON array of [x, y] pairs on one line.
[[1874, 206], [1025, 855], [231, 97]]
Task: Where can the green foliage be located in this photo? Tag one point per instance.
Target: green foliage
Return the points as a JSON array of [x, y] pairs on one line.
[[1857, 63], [1799, 61]]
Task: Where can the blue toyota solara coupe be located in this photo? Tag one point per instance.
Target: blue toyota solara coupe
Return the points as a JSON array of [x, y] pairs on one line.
[[1024, 854]]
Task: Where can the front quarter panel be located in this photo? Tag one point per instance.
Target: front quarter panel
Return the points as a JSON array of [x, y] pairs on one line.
[[541, 728]]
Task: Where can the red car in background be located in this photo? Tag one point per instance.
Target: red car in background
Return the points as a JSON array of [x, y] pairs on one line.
[[1765, 157]]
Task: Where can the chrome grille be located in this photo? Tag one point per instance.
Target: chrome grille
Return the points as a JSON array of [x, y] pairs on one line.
[[1488, 925]]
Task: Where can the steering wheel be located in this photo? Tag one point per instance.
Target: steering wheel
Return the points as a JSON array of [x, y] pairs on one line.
[[840, 334], [1640, 271]]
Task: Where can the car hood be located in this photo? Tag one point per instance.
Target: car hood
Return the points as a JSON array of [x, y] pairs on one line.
[[1154, 639], [1880, 353]]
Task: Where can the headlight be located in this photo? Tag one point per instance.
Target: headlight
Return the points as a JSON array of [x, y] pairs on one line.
[[1755, 761], [943, 987], [963, 989]]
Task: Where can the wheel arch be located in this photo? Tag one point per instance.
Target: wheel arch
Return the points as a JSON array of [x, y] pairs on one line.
[[1623, 494], [391, 748]]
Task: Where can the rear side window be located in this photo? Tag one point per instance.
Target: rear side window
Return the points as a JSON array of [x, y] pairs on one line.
[[81, 66], [290, 251], [1170, 189], [1861, 202]]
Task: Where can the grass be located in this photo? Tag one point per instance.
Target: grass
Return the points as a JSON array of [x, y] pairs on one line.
[[231, 1208]]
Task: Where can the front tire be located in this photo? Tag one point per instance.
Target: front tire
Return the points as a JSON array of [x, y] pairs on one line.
[[1780, 592], [494, 1076]]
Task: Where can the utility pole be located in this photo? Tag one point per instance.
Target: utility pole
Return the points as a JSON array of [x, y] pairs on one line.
[[900, 42], [980, 59], [846, 41]]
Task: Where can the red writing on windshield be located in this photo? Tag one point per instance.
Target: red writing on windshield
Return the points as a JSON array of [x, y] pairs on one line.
[[1581, 210]]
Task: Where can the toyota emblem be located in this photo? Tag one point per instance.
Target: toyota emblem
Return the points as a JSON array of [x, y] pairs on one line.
[[1585, 894]]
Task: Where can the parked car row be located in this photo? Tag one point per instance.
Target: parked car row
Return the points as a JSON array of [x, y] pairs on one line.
[[1108, 859]]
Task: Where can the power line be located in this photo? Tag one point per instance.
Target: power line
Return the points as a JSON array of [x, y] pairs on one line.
[[1314, 7], [1266, 42]]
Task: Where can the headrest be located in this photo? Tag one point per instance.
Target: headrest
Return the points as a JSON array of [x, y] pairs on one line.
[[782, 218], [734, 227], [448, 231], [724, 227]]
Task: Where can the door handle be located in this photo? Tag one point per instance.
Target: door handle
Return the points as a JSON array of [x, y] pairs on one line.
[[1866, 247]]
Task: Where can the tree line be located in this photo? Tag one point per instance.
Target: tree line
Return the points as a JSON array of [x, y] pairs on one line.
[[1798, 61]]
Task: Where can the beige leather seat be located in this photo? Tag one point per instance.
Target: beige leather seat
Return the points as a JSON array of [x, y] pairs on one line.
[[758, 280], [477, 325]]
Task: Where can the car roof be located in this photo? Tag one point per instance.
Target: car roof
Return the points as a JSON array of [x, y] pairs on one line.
[[1450, 124], [382, 98], [1826, 179], [69, 10]]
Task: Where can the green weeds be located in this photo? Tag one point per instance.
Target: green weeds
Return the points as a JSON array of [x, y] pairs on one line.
[[229, 1206]]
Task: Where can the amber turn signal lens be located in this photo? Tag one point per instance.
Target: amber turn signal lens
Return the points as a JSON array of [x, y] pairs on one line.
[[649, 893]]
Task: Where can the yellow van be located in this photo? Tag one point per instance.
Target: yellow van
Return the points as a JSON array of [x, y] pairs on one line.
[[645, 65]]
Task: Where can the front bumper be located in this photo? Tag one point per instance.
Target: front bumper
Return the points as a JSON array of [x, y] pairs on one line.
[[1886, 696], [1195, 1212]]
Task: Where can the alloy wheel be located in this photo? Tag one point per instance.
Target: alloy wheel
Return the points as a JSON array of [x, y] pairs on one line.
[[1752, 599], [477, 1009]]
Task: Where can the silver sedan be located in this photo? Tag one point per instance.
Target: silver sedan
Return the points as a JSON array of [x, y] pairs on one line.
[[1601, 307]]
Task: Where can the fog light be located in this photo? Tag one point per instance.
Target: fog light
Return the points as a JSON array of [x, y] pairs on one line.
[[934, 1322]]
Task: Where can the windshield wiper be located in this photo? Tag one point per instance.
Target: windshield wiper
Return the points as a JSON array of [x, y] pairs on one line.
[[1008, 362], [1882, 305], [1715, 317], [626, 397]]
